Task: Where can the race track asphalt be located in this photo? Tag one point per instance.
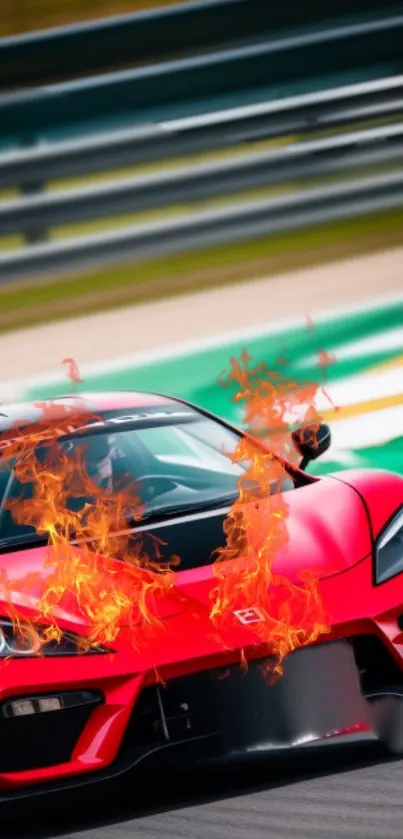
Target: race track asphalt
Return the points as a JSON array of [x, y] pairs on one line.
[[353, 794]]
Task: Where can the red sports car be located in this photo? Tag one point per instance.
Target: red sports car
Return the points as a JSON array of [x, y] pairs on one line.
[[72, 715]]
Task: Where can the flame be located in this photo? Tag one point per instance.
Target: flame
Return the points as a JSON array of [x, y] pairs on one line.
[[72, 371], [324, 360], [83, 538], [272, 404], [309, 322], [279, 613]]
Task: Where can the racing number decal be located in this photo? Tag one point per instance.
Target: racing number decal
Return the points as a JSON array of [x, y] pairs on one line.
[[251, 615]]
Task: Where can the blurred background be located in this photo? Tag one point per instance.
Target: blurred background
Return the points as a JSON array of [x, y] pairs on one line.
[[178, 182], [29, 15]]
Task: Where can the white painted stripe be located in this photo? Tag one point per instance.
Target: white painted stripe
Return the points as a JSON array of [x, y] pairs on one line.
[[372, 429], [362, 388], [18, 387], [386, 341], [351, 460]]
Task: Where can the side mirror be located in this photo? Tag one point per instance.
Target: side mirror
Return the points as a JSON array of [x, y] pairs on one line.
[[311, 442]]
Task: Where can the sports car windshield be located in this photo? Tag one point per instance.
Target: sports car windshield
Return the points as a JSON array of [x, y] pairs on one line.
[[176, 460]]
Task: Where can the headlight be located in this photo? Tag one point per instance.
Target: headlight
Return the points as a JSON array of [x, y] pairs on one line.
[[25, 642], [389, 550]]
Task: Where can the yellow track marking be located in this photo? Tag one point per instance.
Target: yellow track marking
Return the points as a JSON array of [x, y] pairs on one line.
[[362, 408], [385, 365]]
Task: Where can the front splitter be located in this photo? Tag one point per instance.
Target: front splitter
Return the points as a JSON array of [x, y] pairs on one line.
[[316, 702]]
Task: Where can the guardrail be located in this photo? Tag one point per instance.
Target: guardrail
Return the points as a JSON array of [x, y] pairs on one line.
[[246, 221], [177, 138], [189, 184], [102, 45], [256, 72]]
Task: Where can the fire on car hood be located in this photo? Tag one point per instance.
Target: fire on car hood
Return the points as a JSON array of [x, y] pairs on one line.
[[328, 532]]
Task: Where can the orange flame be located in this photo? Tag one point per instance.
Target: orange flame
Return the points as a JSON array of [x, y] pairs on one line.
[[309, 322], [82, 537], [72, 371], [280, 614]]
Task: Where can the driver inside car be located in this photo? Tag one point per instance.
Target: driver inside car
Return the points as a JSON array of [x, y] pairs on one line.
[[103, 458], [110, 466]]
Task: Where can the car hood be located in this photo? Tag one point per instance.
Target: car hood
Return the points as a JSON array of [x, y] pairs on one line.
[[380, 490], [328, 532]]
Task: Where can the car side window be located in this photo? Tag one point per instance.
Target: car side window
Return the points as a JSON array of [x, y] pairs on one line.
[[10, 488]]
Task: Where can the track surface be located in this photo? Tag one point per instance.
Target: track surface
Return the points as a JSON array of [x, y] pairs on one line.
[[307, 798]]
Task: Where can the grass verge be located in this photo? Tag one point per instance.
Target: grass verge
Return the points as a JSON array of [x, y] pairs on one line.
[[31, 303], [27, 15]]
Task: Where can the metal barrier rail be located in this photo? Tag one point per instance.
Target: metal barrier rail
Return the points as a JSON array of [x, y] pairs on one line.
[[188, 184], [194, 231], [262, 71], [101, 45], [208, 132]]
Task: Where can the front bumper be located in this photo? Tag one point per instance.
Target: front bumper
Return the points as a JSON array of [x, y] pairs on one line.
[[318, 696], [225, 714]]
